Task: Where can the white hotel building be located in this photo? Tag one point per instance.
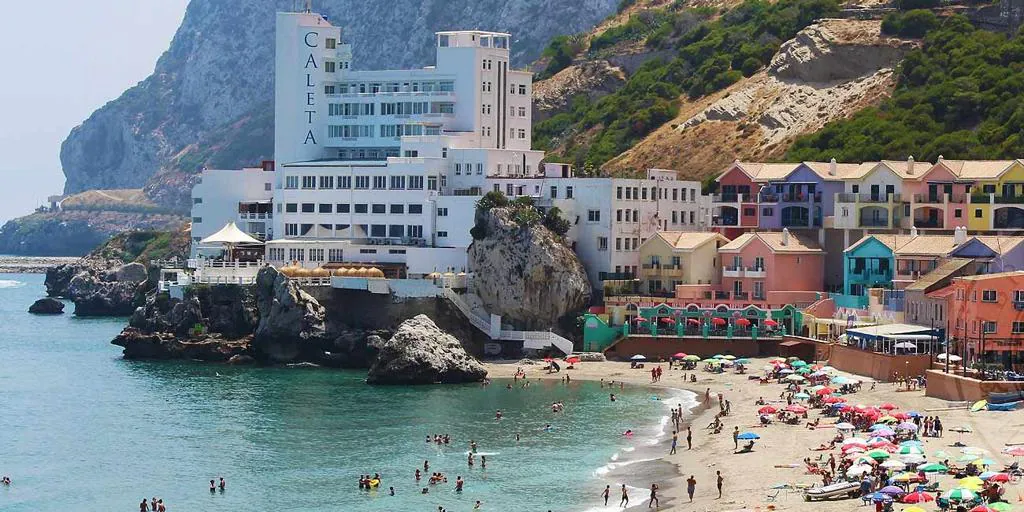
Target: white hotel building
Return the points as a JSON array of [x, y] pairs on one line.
[[386, 166]]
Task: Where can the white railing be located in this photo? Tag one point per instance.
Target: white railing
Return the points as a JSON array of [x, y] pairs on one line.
[[533, 340], [222, 279], [478, 322], [312, 281]]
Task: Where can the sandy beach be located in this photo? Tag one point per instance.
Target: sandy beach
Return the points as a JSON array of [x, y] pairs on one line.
[[777, 457]]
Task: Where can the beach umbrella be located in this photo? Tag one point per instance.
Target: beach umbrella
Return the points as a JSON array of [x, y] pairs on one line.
[[984, 462], [801, 396], [794, 378], [718, 321], [918, 497], [911, 450], [960, 494], [799, 409], [913, 458], [572, 360], [786, 371], [712, 361], [777, 359], [771, 323], [638, 357], [974, 450], [840, 380], [962, 429], [942, 454], [884, 432], [845, 426], [748, 435], [1016, 451], [992, 476], [887, 419], [952, 357], [691, 357], [907, 426], [803, 370], [859, 469], [666, 320], [693, 321], [967, 457], [914, 509], [912, 442], [853, 449], [1000, 506], [877, 454], [827, 368], [933, 467], [742, 322], [983, 508], [855, 440], [880, 497], [893, 464], [718, 356], [824, 391], [726, 362], [728, 356], [892, 490], [767, 410], [888, 406], [798, 364], [914, 414], [743, 361], [678, 355], [972, 482]]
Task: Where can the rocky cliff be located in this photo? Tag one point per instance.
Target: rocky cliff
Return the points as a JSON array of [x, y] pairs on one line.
[[829, 71], [209, 100], [525, 273], [421, 353]]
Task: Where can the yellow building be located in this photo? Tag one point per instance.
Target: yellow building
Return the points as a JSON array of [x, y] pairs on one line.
[[997, 196], [670, 258]]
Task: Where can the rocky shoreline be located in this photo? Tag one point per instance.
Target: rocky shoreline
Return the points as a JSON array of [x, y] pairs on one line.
[[276, 322], [31, 264]]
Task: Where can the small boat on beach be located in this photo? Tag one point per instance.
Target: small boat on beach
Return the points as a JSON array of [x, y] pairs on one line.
[[847, 489]]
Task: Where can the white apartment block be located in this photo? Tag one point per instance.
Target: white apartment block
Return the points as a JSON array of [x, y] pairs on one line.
[[387, 166], [241, 196]]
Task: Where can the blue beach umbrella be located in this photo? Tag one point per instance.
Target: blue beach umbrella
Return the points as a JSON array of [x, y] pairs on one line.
[[748, 435]]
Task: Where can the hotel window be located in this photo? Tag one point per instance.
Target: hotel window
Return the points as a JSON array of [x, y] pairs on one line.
[[396, 230], [380, 182], [691, 217], [431, 182], [522, 111], [344, 182], [442, 212], [990, 327], [308, 207], [378, 208], [197, 200], [485, 109], [643, 193], [291, 182], [291, 207], [636, 194], [675, 217], [988, 295], [197, 220], [618, 246], [458, 169], [618, 215], [1018, 327], [362, 182], [977, 213], [618, 192], [309, 182], [329, 66], [397, 208], [767, 212], [593, 215], [444, 180], [343, 208], [330, 43], [415, 182], [636, 215], [749, 212], [629, 195], [367, 251], [602, 243], [958, 213], [326, 182], [442, 234], [675, 194], [291, 229], [508, 189], [361, 208], [479, 169], [325, 208], [522, 89], [329, 89], [378, 230], [554, 192], [414, 231], [398, 183], [522, 133], [568, 192]]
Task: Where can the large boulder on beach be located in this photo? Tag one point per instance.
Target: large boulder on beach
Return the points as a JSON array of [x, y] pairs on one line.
[[292, 323], [421, 353], [46, 306], [525, 273]]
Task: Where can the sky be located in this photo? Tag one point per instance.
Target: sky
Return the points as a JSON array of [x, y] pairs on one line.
[[60, 64]]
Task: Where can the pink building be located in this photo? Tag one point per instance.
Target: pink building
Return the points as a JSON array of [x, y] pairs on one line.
[[772, 269]]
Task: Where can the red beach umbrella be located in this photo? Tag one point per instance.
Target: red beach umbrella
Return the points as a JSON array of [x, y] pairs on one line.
[[667, 320], [771, 323], [824, 391], [888, 406], [742, 322], [918, 497], [799, 409], [999, 477], [831, 399], [679, 355], [983, 508], [767, 410], [718, 321], [572, 360], [693, 321]]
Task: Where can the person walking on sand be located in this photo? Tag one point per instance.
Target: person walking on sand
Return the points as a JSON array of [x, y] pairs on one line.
[[607, 491], [689, 438], [654, 497], [675, 440], [721, 479], [691, 485], [624, 502], [736, 437]]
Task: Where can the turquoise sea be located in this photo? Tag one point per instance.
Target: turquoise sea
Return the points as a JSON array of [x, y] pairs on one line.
[[82, 429]]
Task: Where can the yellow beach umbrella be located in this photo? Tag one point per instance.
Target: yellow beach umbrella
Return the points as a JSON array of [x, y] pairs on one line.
[[914, 509], [972, 482]]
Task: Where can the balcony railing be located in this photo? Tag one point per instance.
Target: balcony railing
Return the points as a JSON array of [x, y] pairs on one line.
[[740, 296], [730, 197], [725, 221], [929, 199], [719, 295], [843, 197], [769, 197], [755, 272], [1000, 199], [928, 223], [982, 198], [732, 271], [255, 216]]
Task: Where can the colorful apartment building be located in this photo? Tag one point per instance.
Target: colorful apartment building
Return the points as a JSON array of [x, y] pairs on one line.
[[672, 258], [986, 317]]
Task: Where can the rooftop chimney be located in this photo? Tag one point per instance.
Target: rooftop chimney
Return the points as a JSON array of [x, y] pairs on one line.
[[959, 235], [940, 159], [785, 236], [910, 164], [832, 167]]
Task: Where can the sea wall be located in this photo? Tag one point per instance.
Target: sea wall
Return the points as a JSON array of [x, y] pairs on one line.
[[880, 367], [949, 386]]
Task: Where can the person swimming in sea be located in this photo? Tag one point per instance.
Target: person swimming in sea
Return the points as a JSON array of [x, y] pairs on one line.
[[628, 433], [417, 474], [497, 415], [548, 428], [213, 487], [483, 461], [222, 485], [472, 446], [391, 491], [459, 483], [469, 459]]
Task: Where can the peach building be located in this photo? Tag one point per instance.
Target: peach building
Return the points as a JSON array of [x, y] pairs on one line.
[[986, 317], [767, 269]]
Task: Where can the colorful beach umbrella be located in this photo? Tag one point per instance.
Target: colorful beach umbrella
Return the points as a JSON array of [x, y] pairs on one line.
[[794, 378], [1001, 506], [892, 490], [918, 497], [983, 508], [933, 467], [972, 482], [877, 454], [1016, 451], [914, 509], [679, 355], [799, 409], [729, 356], [691, 357], [801, 396], [894, 464], [767, 410], [913, 459], [743, 360], [639, 357], [910, 450], [748, 435], [798, 363], [907, 427], [887, 407], [959, 494], [992, 476], [859, 469], [845, 426]]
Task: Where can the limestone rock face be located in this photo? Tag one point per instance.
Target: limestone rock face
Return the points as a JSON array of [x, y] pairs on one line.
[[46, 306], [421, 353], [161, 345], [291, 320], [526, 274], [96, 297]]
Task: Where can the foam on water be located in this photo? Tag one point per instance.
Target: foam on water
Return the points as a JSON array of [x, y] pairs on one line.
[[10, 283]]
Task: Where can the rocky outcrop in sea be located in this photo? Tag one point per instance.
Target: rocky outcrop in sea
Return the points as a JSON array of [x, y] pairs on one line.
[[99, 288], [526, 274], [421, 353], [46, 306]]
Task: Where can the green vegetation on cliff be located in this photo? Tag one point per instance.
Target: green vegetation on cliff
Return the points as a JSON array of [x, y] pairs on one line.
[[709, 55], [961, 95], [143, 246]]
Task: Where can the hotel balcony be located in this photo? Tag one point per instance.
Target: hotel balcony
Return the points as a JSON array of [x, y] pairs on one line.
[[755, 272], [732, 271], [654, 270]]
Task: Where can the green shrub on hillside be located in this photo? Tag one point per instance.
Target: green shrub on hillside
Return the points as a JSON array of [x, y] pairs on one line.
[[960, 96], [914, 24], [710, 56]]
